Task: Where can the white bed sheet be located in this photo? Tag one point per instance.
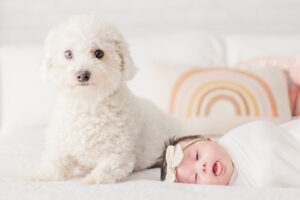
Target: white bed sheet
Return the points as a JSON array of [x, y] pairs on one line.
[[20, 153]]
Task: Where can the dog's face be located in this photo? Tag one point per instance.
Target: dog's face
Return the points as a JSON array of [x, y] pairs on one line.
[[86, 57]]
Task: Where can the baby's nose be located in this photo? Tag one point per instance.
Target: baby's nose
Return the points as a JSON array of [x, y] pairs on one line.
[[202, 167]]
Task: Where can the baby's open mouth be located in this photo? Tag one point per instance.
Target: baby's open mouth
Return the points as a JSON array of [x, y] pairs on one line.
[[217, 168]]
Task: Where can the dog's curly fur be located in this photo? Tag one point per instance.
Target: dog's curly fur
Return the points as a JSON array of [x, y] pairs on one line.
[[99, 128]]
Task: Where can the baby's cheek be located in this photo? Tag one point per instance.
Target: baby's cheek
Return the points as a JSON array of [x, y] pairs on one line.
[[211, 180], [208, 181], [179, 175]]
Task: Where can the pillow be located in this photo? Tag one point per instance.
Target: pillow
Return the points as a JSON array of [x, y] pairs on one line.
[[0, 95], [211, 101], [181, 47], [26, 99], [244, 47], [286, 65]]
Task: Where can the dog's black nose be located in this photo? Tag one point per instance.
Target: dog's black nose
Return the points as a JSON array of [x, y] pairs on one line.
[[83, 76]]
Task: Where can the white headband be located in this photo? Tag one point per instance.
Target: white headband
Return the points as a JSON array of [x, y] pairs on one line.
[[174, 156]]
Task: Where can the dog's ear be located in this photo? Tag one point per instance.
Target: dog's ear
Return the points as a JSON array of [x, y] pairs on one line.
[[46, 65], [127, 65], [48, 52]]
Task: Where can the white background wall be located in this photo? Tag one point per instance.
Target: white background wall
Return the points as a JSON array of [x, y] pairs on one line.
[[26, 21]]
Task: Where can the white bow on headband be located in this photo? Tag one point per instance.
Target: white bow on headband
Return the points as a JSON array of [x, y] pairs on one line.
[[174, 156]]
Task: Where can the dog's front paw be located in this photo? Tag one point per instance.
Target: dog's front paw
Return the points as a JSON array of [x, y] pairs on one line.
[[91, 180], [111, 169], [46, 176], [42, 178]]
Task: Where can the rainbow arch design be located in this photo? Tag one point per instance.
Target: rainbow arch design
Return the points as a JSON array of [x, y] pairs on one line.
[[197, 91]]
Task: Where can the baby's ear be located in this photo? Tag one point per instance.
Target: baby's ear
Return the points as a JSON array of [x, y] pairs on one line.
[[127, 65], [208, 139]]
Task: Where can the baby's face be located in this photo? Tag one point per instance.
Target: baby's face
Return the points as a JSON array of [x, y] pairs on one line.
[[205, 162]]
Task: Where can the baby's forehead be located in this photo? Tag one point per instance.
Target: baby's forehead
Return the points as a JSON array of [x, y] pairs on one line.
[[181, 142], [184, 142], [189, 142]]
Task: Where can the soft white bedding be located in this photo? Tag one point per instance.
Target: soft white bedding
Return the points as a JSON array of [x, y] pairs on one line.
[[265, 154], [21, 150]]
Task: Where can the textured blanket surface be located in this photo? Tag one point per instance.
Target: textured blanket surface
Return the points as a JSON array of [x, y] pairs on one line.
[[265, 154], [20, 153]]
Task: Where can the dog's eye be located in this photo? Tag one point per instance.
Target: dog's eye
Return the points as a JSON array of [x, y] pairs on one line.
[[68, 54], [99, 53]]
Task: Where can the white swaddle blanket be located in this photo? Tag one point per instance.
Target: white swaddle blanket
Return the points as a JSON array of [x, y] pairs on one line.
[[265, 154]]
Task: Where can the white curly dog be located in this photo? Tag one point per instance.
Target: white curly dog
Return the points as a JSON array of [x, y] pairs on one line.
[[99, 128]]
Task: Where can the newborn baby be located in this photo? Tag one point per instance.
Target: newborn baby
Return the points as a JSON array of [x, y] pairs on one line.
[[258, 154]]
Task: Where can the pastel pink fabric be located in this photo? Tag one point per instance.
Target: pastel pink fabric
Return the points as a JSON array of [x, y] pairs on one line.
[[292, 69], [294, 95]]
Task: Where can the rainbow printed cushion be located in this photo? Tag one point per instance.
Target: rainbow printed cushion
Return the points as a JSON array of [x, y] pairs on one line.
[[212, 101]]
